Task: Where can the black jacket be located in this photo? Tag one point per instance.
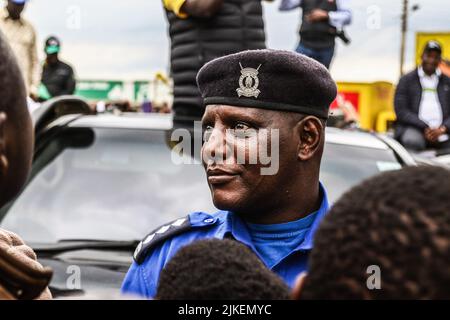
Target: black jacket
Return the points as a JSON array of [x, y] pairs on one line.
[[317, 35], [59, 79], [237, 26], [407, 102]]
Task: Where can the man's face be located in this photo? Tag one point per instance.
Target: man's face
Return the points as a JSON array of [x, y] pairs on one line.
[[431, 61], [15, 10], [234, 137]]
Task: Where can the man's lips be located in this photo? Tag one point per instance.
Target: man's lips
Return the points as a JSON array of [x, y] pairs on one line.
[[220, 176]]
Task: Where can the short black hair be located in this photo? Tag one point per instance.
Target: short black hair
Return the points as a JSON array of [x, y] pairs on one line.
[[218, 270], [398, 221]]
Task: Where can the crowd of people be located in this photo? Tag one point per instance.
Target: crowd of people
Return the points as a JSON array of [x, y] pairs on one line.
[[43, 81], [275, 236]]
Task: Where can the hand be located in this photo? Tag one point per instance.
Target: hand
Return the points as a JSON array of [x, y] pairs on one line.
[[432, 135], [34, 97], [317, 15], [3, 158], [20, 266]]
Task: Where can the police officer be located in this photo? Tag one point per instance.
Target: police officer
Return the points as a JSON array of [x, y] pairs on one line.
[[250, 96]]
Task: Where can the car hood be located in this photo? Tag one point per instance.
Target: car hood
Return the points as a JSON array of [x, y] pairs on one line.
[[96, 274]]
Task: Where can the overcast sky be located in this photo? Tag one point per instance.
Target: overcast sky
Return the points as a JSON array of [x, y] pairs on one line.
[[127, 40]]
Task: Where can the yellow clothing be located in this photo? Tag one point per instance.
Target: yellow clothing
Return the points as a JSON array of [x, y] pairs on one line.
[[175, 7], [21, 37]]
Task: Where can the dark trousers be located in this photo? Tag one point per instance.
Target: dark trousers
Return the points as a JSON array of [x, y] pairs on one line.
[[414, 139], [324, 56]]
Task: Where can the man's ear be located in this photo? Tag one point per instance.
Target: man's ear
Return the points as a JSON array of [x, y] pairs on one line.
[[296, 293], [3, 158], [310, 133]]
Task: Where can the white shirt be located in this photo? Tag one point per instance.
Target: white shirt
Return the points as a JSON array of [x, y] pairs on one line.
[[430, 110], [338, 19]]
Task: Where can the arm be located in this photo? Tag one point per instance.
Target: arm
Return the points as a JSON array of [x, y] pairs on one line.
[[35, 69], [193, 8], [401, 103], [135, 284], [70, 83], [343, 16], [202, 8], [287, 5], [142, 279], [446, 123]]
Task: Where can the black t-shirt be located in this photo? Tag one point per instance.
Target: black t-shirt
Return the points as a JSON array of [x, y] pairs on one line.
[[59, 79]]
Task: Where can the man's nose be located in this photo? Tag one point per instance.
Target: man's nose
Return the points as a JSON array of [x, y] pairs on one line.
[[215, 148]]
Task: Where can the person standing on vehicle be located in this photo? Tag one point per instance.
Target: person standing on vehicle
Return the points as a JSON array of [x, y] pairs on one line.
[[322, 22], [57, 77], [21, 35], [202, 30], [271, 99], [422, 104]]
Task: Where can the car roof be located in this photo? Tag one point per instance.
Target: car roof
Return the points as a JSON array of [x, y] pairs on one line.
[[165, 122]]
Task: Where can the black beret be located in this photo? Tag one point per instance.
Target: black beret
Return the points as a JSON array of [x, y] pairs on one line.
[[268, 79]]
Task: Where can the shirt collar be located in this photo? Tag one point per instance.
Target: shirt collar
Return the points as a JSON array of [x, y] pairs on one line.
[[232, 224], [422, 74]]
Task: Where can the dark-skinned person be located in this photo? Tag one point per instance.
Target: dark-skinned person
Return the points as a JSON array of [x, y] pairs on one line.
[[200, 31], [422, 104], [57, 76], [21, 276], [322, 22], [387, 238], [270, 100], [22, 37], [192, 274]]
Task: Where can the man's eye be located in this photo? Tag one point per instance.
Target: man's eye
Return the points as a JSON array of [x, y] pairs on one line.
[[241, 126], [242, 130], [207, 132]]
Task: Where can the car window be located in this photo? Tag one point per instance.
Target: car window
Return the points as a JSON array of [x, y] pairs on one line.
[[125, 184], [344, 166], [120, 188]]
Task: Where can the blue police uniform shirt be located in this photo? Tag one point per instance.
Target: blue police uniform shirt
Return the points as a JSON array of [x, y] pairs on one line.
[[142, 279]]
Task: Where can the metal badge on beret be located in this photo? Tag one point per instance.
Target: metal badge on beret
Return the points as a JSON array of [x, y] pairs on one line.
[[248, 82]]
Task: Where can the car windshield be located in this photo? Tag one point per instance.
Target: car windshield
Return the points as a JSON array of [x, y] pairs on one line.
[[125, 184]]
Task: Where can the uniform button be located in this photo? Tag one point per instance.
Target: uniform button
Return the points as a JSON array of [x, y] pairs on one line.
[[209, 220]]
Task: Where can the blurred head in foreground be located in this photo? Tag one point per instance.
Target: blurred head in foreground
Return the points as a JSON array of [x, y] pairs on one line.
[[16, 135], [388, 238], [218, 270]]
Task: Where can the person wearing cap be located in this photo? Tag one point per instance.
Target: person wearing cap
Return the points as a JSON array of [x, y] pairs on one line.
[[422, 104], [200, 31], [57, 77], [250, 96], [21, 35]]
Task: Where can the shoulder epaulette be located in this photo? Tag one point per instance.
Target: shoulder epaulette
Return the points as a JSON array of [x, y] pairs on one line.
[[160, 235]]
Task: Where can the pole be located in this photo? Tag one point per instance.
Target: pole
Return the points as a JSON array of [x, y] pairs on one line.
[[404, 32]]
